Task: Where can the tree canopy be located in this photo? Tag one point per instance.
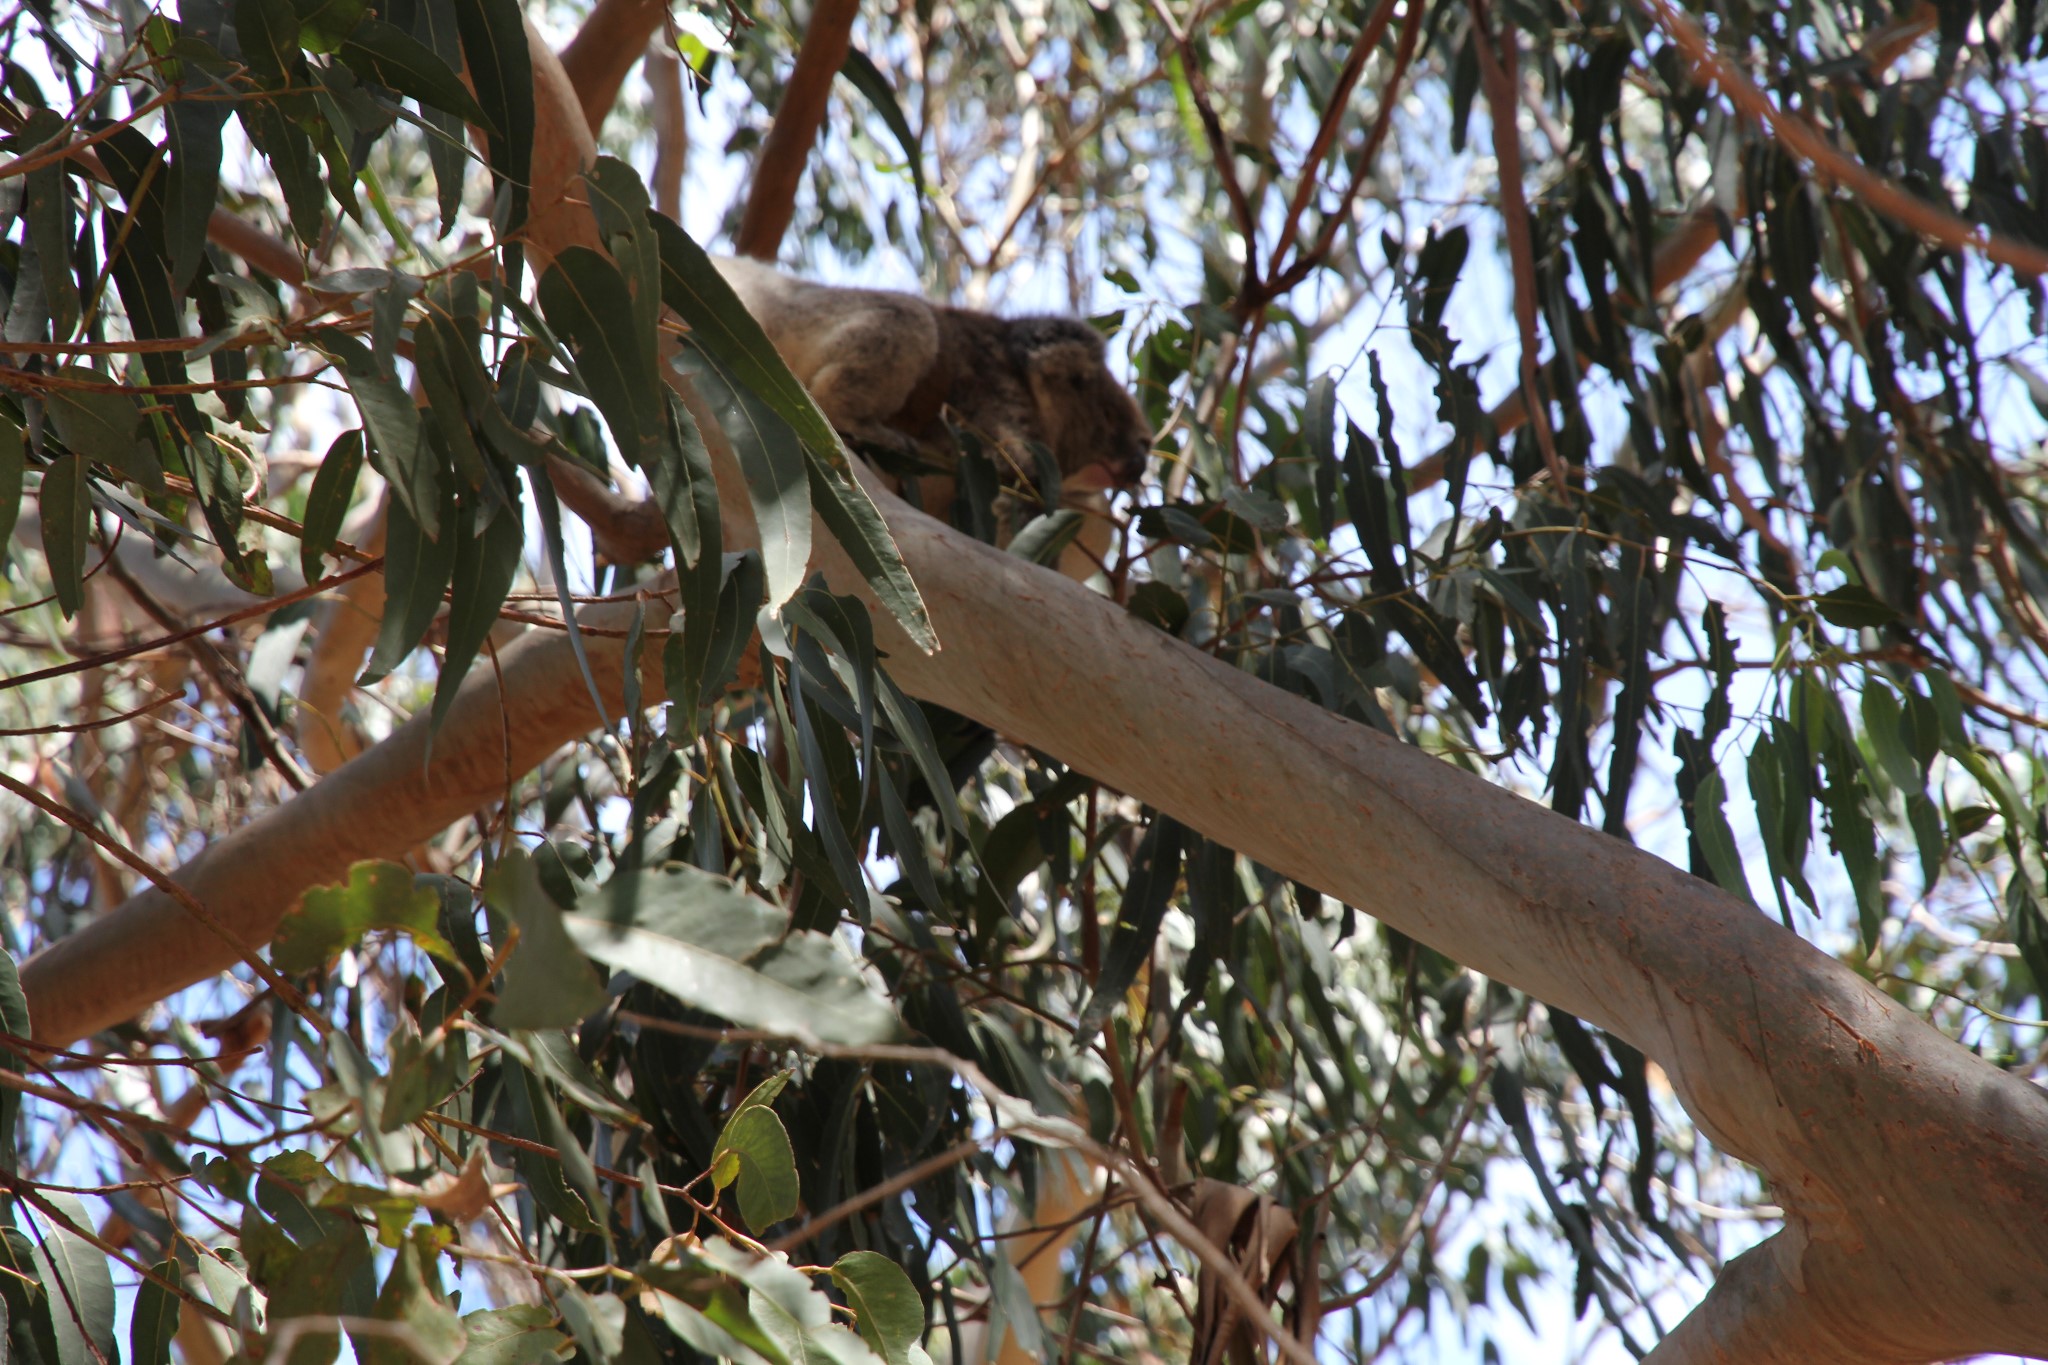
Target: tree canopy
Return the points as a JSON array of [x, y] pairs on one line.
[[520, 844]]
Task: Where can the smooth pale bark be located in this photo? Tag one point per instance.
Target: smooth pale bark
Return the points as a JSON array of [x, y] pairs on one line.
[[1914, 1176]]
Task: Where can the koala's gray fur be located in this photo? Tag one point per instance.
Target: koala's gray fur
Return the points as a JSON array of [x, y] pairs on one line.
[[883, 365]]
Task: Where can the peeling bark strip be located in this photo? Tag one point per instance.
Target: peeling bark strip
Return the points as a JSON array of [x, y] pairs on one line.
[[1913, 1174]]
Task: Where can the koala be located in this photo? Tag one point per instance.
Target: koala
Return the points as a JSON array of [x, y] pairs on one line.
[[884, 366]]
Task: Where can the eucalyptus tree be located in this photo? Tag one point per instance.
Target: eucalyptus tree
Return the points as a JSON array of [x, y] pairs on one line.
[[806, 929]]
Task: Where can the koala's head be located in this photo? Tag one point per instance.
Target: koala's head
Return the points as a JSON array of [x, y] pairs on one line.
[[1091, 422]]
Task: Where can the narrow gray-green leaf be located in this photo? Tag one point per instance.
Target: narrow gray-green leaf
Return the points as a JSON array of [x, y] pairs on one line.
[[1717, 841], [104, 426], [494, 49], [1045, 537], [391, 56], [856, 523], [155, 1320], [327, 503], [867, 78], [13, 464], [777, 476], [589, 306], [485, 566], [192, 129], [398, 447], [66, 507], [416, 572]]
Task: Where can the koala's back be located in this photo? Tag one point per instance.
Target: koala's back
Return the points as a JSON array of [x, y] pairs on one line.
[[859, 351], [884, 366]]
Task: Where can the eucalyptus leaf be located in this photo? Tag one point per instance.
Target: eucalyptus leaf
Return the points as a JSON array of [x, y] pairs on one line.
[[713, 946]]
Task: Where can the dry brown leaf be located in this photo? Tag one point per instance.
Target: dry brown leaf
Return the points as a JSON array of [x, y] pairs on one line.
[[460, 1197]]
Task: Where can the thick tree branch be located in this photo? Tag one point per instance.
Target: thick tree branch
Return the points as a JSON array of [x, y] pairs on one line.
[[604, 50], [771, 203]]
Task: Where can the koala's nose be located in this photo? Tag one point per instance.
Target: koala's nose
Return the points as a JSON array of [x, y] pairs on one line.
[[1131, 468]]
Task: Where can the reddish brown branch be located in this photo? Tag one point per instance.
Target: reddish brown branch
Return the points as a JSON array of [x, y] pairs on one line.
[[1333, 119], [1499, 80], [664, 72], [1221, 149], [771, 203], [604, 50]]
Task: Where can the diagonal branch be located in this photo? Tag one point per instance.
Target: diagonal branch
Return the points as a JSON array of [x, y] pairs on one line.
[[604, 50], [771, 203], [1514, 211]]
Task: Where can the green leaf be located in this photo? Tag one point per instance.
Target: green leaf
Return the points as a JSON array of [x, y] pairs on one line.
[[14, 1019], [885, 1304], [442, 360], [867, 78], [548, 983], [777, 475], [81, 1287], [856, 523], [1154, 873], [485, 566], [269, 34], [155, 1319], [192, 129], [789, 1310], [104, 426], [13, 465], [398, 447], [1855, 607], [753, 1149], [226, 1277], [500, 69], [66, 506], [523, 1334], [589, 306], [1709, 823], [416, 572], [598, 1320], [697, 663], [709, 1313], [378, 895], [1884, 722], [725, 331], [618, 199], [390, 56], [447, 138], [1157, 604], [324, 25], [550, 511], [710, 945], [290, 153], [327, 502], [51, 230]]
